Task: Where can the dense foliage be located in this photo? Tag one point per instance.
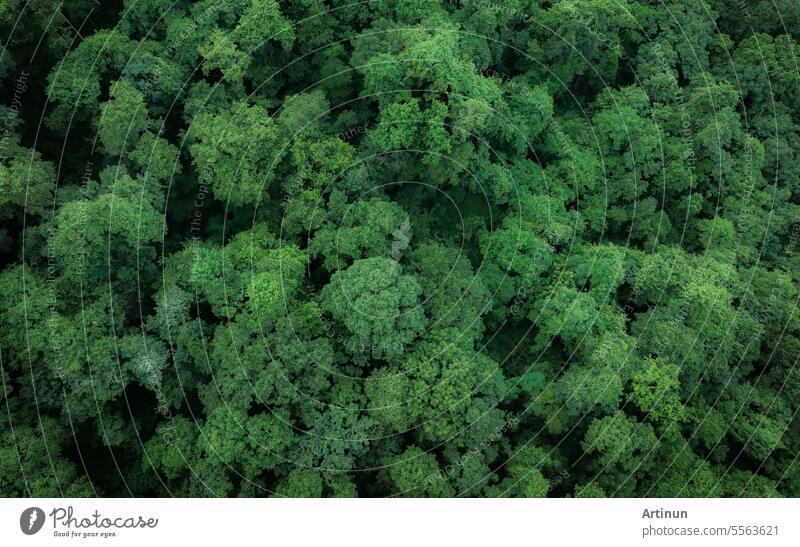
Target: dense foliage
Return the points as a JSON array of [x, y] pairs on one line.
[[400, 247]]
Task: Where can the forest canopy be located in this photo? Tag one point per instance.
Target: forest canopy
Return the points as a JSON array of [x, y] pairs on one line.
[[328, 248]]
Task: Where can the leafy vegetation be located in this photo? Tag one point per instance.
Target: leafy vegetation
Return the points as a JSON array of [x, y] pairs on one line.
[[406, 247]]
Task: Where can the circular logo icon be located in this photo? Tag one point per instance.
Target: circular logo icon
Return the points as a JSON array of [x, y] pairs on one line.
[[31, 520]]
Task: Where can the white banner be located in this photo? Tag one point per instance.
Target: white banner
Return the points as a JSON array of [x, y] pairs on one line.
[[399, 522]]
